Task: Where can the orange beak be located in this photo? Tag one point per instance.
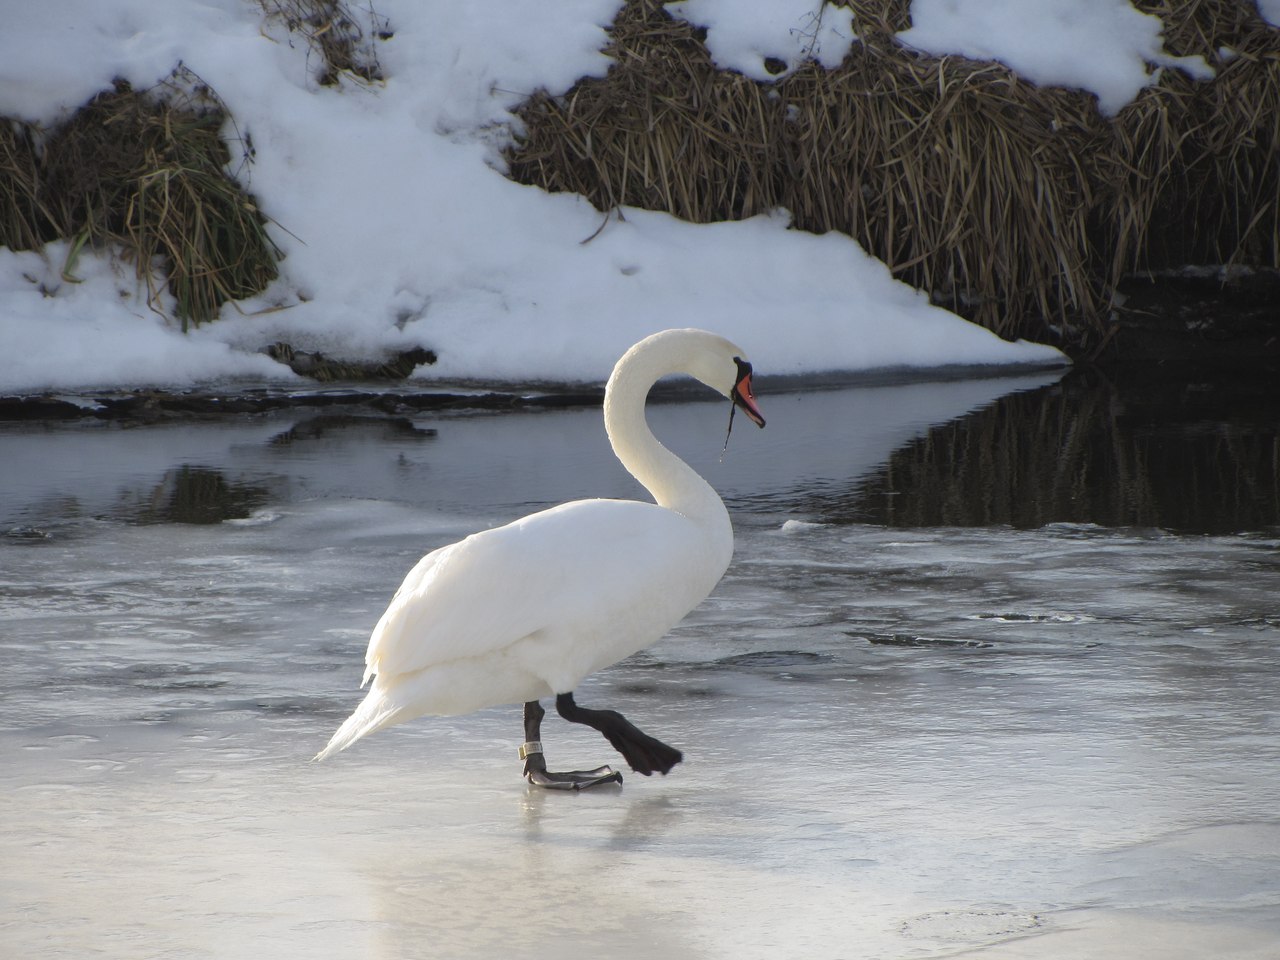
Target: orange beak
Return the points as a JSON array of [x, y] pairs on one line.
[[743, 397]]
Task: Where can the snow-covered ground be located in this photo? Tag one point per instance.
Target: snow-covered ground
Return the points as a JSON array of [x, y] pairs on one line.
[[401, 231]]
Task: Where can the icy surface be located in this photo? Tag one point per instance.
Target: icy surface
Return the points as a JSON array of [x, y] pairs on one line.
[[1037, 744]]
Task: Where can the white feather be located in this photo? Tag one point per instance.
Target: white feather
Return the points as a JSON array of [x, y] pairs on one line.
[[527, 610]]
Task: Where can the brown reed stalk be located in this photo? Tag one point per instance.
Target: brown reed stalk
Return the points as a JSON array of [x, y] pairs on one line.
[[1018, 206], [145, 172], [334, 32]]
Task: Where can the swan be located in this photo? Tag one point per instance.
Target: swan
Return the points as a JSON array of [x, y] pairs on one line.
[[526, 611]]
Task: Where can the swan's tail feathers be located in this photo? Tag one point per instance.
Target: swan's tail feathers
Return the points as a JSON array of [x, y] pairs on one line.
[[376, 711]]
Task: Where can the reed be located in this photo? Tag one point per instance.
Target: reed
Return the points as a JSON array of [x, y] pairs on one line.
[[149, 174], [146, 173], [24, 222], [1020, 207], [335, 36]]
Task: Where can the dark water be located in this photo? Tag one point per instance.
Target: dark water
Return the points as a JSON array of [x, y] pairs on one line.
[[995, 671], [1181, 456]]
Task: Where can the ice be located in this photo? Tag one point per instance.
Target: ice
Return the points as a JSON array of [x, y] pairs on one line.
[[1045, 743]]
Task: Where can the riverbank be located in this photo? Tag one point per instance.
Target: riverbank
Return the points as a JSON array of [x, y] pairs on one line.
[[1191, 330], [1014, 199]]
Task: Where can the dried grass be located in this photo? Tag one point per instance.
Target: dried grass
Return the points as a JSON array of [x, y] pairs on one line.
[[147, 173], [24, 223], [1018, 206], [333, 32]]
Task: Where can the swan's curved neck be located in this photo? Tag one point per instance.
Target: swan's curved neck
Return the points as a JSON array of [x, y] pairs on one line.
[[672, 482]]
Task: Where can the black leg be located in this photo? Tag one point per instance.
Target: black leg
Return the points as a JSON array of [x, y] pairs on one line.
[[643, 752], [535, 765]]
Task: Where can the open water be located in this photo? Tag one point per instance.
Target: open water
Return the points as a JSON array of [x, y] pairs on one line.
[[995, 673]]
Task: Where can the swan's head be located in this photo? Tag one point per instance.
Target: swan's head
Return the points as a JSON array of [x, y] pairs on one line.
[[721, 365], [717, 362]]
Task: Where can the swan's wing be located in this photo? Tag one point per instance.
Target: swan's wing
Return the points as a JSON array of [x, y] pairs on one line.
[[559, 570]]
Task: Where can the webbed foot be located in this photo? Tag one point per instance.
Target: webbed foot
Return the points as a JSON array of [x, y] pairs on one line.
[[536, 772]]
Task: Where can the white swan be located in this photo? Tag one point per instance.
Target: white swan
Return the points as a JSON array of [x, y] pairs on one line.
[[525, 611]]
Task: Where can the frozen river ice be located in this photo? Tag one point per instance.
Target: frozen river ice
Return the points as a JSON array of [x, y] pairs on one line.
[[1057, 739]]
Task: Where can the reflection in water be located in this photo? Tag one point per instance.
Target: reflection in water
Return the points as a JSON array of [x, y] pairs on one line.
[[191, 494], [327, 427], [1085, 450]]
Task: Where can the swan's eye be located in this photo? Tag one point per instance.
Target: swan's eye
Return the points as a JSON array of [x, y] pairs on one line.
[[744, 369]]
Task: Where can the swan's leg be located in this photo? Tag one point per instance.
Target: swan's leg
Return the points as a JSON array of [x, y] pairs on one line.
[[535, 766], [643, 752]]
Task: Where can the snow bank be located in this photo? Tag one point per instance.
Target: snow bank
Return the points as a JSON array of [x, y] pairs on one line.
[[400, 231], [1103, 46]]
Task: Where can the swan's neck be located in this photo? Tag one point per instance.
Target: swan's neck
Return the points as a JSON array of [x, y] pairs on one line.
[[672, 482]]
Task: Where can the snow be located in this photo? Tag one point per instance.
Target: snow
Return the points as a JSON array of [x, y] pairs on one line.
[[1103, 46], [400, 229], [742, 35]]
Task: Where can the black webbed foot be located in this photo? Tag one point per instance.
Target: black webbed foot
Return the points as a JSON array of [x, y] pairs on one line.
[[535, 765], [644, 753], [536, 772]]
